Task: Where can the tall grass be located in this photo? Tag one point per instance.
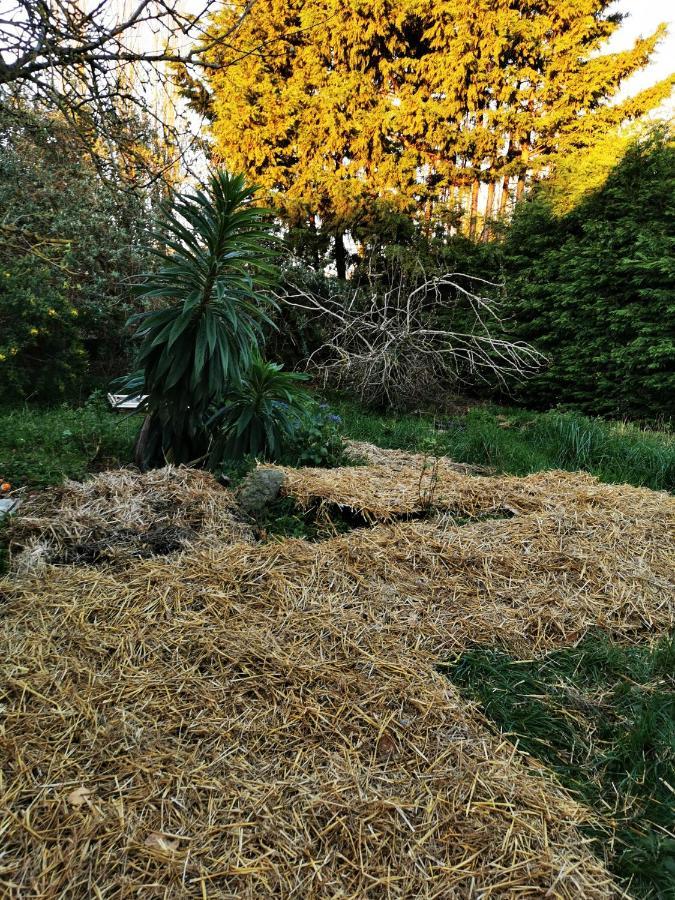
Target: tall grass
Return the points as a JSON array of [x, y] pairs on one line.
[[41, 446]]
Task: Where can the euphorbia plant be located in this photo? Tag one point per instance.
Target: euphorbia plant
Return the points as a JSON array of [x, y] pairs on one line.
[[219, 255]]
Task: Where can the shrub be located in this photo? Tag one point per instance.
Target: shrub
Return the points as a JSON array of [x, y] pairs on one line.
[[317, 441], [401, 337], [593, 290], [261, 413], [196, 349], [41, 354], [77, 239]]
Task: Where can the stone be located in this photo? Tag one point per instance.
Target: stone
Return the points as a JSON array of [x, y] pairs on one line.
[[260, 488]]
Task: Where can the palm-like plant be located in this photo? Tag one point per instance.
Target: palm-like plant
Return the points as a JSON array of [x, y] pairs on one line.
[[220, 253], [261, 412]]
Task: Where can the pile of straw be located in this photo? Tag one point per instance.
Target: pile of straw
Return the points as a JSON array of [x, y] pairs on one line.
[[395, 460], [254, 720], [382, 492], [118, 515]]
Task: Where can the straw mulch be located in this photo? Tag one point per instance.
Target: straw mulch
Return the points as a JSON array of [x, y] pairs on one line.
[[256, 720], [382, 493], [402, 459], [216, 726], [119, 515]]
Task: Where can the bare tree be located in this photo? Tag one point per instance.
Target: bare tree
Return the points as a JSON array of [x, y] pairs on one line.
[[110, 69], [386, 344]]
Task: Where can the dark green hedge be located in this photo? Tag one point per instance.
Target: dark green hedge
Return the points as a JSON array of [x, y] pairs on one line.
[[594, 290]]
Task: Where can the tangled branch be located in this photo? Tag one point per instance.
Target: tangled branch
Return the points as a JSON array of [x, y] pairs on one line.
[[389, 348]]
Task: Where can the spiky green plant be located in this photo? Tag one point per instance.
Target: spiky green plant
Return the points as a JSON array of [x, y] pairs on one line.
[[261, 412], [196, 346]]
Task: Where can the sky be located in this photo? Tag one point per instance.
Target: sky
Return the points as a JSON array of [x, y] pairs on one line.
[[643, 19]]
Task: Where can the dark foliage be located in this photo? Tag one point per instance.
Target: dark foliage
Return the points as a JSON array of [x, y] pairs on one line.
[[593, 290], [72, 244]]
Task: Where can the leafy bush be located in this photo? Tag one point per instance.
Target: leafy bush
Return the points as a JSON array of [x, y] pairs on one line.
[[261, 412], [41, 354], [72, 239], [593, 289], [317, 442], [196, 350]]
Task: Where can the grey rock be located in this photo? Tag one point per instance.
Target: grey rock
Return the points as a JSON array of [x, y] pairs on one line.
[[8, 506], [260, 488]]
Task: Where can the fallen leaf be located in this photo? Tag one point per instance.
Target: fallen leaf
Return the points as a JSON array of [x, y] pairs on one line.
[[161, 842], [386, 745], [79, 796]]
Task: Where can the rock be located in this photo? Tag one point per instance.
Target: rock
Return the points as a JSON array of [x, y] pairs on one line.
[[8, 506], [260, 488]]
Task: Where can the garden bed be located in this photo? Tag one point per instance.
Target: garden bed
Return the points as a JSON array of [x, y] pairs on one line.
[[246, 719]]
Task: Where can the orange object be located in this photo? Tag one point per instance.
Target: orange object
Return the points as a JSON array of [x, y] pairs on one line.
[[5, 486]]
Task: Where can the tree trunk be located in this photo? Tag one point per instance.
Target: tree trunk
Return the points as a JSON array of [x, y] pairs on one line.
[[428, 215], [315, 240], [475, 188], [520, 189], [340, 255], [147, 444], [487, 222], [504, 199]]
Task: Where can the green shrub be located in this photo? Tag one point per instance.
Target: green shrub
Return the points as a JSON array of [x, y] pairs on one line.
[[317, 440], [261, 413], [41, 353], [197, 348], [78, 241], [593, 290]]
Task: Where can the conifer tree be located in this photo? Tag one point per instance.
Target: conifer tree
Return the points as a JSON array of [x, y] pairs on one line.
[[347, 108]]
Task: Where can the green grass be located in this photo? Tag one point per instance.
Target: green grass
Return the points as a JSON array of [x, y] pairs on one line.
[[602, 717], [42, 446], [518, 442]]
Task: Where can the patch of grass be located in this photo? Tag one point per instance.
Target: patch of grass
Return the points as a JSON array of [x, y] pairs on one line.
[[602, 717], [284, 518], [518, 442], [42, 446]]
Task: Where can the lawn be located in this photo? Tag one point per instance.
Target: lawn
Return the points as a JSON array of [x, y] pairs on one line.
[[602, 717], [40, 446]]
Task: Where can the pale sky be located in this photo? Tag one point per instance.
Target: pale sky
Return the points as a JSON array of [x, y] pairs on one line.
[[644, 17]]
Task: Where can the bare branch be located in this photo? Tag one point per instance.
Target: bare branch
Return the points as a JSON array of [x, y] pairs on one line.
[[386, 346]]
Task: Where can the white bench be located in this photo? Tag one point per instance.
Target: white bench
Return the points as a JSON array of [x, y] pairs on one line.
[[7, 507], [125, 402]]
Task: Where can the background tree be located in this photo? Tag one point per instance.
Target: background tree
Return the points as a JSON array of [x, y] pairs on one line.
[[105, 67], [412, 105], [70, 250], [593, 289]]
